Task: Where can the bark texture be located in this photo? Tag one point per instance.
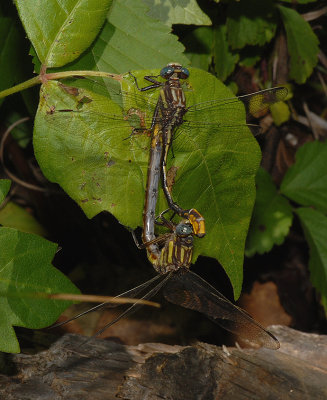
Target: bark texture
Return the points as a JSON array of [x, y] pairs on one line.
[[98, 369]]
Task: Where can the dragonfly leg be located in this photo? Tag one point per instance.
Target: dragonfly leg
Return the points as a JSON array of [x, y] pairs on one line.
[[145, 245], [163, 221], [137, 131], [195, 218], [137, 243], [155, 83]]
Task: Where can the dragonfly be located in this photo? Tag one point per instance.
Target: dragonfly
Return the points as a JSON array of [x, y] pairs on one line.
[[183, 287], [172, 259], [168, 115]]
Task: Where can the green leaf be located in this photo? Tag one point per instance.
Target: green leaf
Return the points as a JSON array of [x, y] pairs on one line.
[[199, 45], [85, 152], [9, 56], [314, 225], [174, 12], [25, 269], [280, 113], [131, 40], [61, 31], [206, 45], [225, 61], [251, 22], [4, 188], [271, 219], [14, 216], [302, 43], [249, 61], [306, 181]]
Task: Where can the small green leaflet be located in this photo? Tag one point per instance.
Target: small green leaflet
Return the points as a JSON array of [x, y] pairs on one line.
[[26, 269], [14, 216], [302, 43], [314, 225], [271, 219], [306, 181], [251, 22]]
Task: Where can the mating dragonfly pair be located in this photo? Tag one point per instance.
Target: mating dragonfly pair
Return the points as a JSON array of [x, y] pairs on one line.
[[171, 253]]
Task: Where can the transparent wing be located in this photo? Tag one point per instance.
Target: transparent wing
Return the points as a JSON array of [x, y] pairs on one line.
[[254, 103], [87, 117], [137, 109], [130, 293], [190, 291], [80, 142], [134, 307]]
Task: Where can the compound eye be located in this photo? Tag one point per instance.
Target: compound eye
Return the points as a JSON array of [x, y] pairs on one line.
[[185, 73], [166, 72]]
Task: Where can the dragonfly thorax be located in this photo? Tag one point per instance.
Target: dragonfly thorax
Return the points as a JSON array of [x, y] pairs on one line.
[[174, 96]]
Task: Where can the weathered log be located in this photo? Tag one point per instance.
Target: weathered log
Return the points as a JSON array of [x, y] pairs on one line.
[[98, 369]]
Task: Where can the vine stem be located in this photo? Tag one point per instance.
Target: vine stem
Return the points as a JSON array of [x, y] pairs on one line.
[[44, 77]]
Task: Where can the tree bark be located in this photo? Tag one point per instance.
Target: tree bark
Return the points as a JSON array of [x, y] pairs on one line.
[[73, 368]]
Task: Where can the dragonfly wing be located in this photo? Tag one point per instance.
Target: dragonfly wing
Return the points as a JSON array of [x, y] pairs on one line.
[[129, 293], [85, 150], [255, 103], [134, 307], [190, 291]]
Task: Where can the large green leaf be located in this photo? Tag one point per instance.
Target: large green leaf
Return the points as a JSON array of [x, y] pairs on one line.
[[314, 225], [25, 269], [306, 181], [271, 219], [174, 12], [130, 40], [251, 22], [4, 188], [61, 31], [302, 43], [85, 152]]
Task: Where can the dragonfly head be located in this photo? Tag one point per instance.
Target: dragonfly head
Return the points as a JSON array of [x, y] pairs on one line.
[[184, 229], [174, 71]]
